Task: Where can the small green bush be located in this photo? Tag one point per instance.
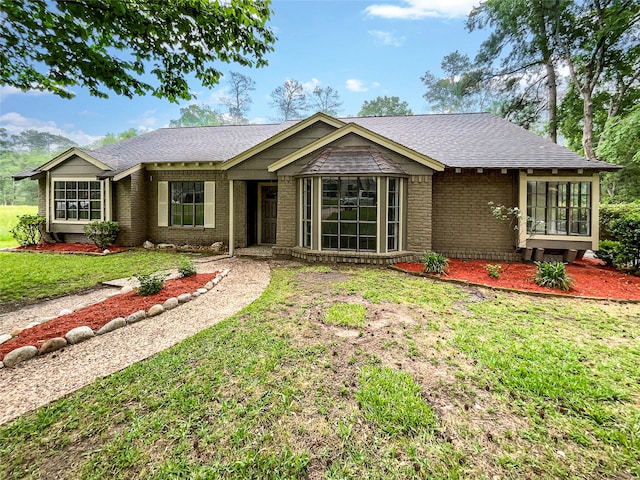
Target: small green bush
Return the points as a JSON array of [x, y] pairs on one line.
[[28, 231], [627, 231], [187, 268], [608, 250], [614, 211], [150, 284], [435, 263], [102, 233], [493, 270], [552, 275]]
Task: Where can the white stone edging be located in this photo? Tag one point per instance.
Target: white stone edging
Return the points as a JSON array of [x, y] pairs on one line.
[[83, 333]]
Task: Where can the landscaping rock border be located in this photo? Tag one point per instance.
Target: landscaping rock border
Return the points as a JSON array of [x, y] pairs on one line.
[[83, 333]]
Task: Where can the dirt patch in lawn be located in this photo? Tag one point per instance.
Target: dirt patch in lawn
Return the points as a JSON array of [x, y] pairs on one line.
[[96, 316], [591, 278]]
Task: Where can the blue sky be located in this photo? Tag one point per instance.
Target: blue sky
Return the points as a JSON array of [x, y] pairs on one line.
[[363, 49]]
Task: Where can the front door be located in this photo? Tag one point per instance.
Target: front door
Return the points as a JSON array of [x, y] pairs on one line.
[[268, 213]]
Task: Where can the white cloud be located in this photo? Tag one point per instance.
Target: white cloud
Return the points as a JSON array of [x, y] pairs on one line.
[[145, 122], [386, 38], [8, 90], [355, 85], [310, 86], [419, 9], [16, 123]]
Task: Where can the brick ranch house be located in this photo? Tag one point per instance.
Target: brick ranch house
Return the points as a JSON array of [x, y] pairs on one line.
[[366, 189]]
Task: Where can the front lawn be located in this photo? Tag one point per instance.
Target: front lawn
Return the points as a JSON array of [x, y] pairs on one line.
[[32, 276], [440, 381]]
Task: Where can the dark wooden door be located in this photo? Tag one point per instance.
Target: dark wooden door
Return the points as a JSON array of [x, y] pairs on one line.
[[269, 218]]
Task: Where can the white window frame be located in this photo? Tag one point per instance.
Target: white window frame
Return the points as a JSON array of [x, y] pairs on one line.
[[105, 212], [164, 204], [524, 236]]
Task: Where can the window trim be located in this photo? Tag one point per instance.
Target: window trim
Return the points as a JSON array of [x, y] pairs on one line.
[[524, 236], [382, 183], [51, 201]]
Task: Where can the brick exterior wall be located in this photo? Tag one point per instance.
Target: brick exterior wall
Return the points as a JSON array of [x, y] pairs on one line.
[[190, 235], [462, 222], [130, 209], [287, 212], [419, 213], [240, 212], [42, 197]]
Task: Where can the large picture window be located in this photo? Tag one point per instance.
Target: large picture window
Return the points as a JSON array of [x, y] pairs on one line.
[[187, 204], [349, 214], [559, 208], [77, 200]]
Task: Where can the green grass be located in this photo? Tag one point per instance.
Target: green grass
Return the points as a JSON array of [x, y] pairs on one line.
[[9, 219], [441, 383], [346, 315], [31, 276]]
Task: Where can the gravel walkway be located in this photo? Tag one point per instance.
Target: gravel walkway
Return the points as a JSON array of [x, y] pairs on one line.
[[41, 380]]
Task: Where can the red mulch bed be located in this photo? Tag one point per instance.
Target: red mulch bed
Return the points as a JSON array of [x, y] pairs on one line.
[[70, 248], [95, 316], [590, 277]]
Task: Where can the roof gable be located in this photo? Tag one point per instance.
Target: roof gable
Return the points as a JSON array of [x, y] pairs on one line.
[[352, 128], [281, 136], [77, 152]]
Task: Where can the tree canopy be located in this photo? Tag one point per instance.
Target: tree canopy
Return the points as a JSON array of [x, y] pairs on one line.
[[238, 100], [289, 100], [197, 116], [129, 48], [384, 106]]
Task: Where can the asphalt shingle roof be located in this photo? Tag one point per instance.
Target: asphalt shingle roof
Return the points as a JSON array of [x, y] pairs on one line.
[[476, 140], [351, 160]]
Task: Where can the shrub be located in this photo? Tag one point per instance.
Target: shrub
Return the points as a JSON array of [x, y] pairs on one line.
[[150, 284], [608, 251], [28, 231], [627, 231], [493, 270], [611, 212], [553, 275], [435, 263], [187, 268], [101, 233]]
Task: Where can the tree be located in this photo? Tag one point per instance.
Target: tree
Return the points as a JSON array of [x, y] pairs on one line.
[[289, 99], [40, 142], [197, 116], [458, 91], [111, 138], [522, 42], [238, 101], [384, 106], [600, 43], [621, 145], [129, 47], [325, 100]]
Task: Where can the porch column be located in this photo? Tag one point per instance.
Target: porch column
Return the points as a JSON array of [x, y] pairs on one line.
[[231, 219]]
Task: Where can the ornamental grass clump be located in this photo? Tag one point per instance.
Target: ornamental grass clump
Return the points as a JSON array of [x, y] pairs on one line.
[[150, 284], [552, 275], [435, 263]]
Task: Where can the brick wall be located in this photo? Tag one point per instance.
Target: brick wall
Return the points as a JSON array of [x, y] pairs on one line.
[[130, 209], [462, 221], [419, 213], [287, 212], [42, 197]]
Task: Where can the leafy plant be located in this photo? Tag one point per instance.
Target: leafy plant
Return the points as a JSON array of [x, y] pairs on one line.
[[435, 263], [186, 268], [552, 275], [493, 270], [627, 231], [608, 251], [28, 231], [150, 284], [102, 233]]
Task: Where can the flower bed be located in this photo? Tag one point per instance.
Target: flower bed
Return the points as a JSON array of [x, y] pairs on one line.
[[96, 316], [590, 277], [89, 248]]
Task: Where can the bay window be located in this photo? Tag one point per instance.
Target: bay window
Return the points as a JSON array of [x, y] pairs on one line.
[[77, 200], [559, 208]]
